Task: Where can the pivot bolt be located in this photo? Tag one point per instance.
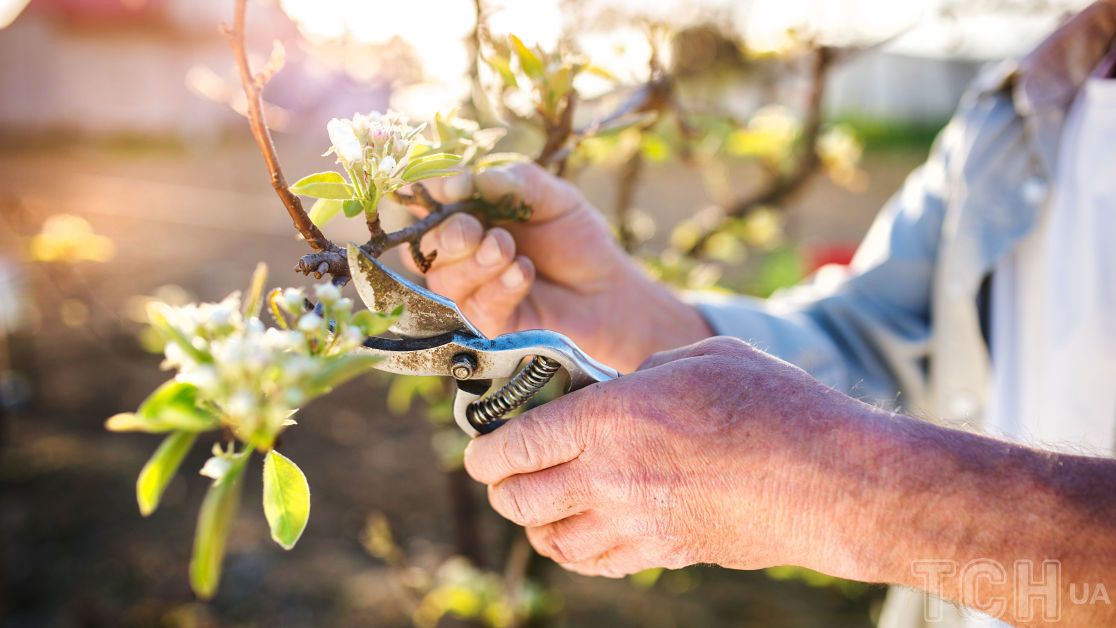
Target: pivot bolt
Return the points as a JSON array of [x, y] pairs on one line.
[[463, 366]]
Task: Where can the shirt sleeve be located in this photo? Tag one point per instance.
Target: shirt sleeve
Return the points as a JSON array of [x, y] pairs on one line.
[[863, 329]]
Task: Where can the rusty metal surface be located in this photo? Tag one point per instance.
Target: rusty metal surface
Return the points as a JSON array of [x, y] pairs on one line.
[[425, 314], [437, 339]]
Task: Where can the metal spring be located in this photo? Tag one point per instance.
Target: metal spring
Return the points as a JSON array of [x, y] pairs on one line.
[[519, 389]]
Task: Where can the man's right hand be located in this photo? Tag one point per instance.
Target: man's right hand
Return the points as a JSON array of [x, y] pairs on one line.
[[561, 270]]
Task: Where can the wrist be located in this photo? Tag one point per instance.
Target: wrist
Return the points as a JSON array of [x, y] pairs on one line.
[[816, 504], [657, 319]]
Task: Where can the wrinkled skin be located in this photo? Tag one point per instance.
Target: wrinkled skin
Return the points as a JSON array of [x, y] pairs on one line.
[[682, 462]]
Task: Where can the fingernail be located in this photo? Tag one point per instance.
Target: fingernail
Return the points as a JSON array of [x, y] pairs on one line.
[[453, 236], [512, 277], [489, 253]]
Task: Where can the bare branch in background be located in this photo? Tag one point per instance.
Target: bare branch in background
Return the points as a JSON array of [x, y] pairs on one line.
[[783, 186], [253, 88], [627, 179]]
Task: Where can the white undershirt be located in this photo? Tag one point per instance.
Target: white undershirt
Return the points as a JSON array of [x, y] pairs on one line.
[[1054, 298], [1054, 302]]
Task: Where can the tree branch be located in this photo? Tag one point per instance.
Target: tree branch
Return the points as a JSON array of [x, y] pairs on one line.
[[253, 87], [782, 187]]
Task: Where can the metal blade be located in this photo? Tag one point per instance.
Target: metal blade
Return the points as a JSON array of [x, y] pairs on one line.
[[425, 314]]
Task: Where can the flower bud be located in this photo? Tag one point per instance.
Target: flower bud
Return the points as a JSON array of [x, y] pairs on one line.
[[292, 300], [387, 166], [344, 140], [327, 292], [310, 323]]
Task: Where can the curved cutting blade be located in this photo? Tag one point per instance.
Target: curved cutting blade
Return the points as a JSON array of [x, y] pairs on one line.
[[425, 314]]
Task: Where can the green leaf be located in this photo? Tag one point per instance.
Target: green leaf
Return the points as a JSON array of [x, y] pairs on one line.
[[445, 132], [501, 64], [172, 406], [601, 72], [324, 209], [352, 207], [286, 499], [531, 64], [558, 85], [337, 370], [217, 512], [328, 185], [175, 405], [375, 323], [160, 469], [254, 302], [428, 166]]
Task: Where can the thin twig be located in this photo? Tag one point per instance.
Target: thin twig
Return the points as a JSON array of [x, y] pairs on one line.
[[627, 179], [782, 187], [253, 87]]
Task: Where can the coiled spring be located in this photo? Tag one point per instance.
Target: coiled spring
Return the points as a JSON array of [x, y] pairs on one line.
[[519, 389]]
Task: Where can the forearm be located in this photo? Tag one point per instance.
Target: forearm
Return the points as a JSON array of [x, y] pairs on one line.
[[956, 513]]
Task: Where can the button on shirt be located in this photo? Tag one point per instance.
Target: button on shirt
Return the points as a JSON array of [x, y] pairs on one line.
[[1054, 298]]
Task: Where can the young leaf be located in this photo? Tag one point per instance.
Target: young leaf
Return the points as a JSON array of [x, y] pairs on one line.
[[352, 207], [501, 64], [160, 469], [174, 405], [531, 64], [428, 166], [254, 301], [324, 209], [601, 72], [217, 512], [375, 323], [558, 85], [337, 370], [286, 499], [329, 185]]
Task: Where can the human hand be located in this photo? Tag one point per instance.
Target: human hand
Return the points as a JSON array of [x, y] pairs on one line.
[[706, 455], [561, 270]]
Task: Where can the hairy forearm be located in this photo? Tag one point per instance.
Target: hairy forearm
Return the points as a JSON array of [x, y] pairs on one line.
[[974, 519]]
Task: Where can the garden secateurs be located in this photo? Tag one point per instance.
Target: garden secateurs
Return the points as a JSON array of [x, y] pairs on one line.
[[435, 338]]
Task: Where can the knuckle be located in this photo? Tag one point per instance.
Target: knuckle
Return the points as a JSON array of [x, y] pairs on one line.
[[725, 344], [510, 501], [557, 546], [519, 449]]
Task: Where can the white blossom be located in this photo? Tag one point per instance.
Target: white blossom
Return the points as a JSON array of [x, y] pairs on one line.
[[216, 467], [344, 140], [310, 323], [327, 292]]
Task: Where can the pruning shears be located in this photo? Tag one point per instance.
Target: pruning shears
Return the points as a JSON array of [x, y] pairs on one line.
[[433, 337]]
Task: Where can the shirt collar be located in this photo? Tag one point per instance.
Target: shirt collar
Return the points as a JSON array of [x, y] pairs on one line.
[[1044, 83]]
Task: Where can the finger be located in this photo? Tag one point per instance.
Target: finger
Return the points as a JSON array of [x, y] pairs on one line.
[[494, 305], [574, 539], [459, 279], [442, 189], [455, 239], [543, 497], [544, 437], [718, 345], [548, 196], [615, 562]]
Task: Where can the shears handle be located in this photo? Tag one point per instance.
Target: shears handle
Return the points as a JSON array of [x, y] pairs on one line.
[[478, 412]]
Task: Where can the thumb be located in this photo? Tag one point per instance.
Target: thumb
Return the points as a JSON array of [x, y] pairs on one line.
[[548, 196]]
